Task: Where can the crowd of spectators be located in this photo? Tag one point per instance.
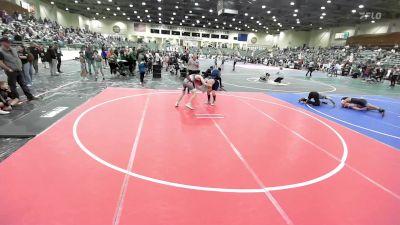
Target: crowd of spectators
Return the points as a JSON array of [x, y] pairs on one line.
[[26, 28], [370, 64]]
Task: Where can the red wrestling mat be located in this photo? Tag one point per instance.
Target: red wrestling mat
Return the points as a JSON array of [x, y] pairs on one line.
[[129, 157]]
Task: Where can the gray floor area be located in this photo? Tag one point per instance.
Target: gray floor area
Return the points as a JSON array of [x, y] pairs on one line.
[[244, 79]]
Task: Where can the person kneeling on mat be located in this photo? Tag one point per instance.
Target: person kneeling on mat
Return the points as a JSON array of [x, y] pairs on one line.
[[191, 83], [360, 104], [280, 75], [216, 75], [213, 86], [314, 98]]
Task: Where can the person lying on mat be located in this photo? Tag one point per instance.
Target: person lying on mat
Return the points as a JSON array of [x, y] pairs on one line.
[[360, 104], [265, 77], [314, 98], [191, 83]]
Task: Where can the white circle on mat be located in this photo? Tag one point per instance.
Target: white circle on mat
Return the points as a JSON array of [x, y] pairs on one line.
[[203, 188]]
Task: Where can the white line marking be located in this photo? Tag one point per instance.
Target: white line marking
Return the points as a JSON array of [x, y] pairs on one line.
[[208, 114], [287, 91], [210, 117], [55, 89], [124, 187], [326, 152], [374, 131], [201, 188], [268, 194]]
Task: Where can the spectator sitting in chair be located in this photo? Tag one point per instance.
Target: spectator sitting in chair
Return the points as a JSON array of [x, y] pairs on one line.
[[6, 102]]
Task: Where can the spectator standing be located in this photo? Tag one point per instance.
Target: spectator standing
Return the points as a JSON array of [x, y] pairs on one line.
[[193, 65], [142, 71], [26, 65], [51, 57], [12, 65], [395, 75], [89, 59], [104, 56], [98, 64], [112, 62], [83, 66], [310, 68], [130, 59], [34, 50], [58, 54]]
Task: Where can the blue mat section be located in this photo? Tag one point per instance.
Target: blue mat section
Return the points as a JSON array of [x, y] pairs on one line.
[[370, 123]]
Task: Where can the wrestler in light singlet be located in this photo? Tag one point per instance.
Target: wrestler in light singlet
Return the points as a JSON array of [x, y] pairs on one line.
[[191, 83]]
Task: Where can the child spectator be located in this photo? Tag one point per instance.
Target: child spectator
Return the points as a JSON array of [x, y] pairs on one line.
[[82, 60], [98, 65]]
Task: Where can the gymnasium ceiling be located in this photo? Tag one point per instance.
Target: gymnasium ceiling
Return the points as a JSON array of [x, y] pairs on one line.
[[269, 16]]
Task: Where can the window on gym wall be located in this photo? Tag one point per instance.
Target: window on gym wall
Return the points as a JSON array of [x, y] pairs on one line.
[[165, 32], [205, 35], [224, 37], [155, 31], [216, 36], [186, 34], [195, 34], [176, 33]]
